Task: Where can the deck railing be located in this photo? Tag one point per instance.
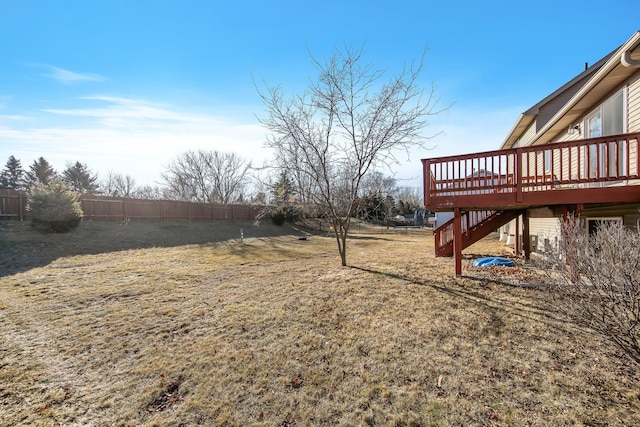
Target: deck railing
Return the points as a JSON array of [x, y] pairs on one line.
[[444, 233], [596, 162]]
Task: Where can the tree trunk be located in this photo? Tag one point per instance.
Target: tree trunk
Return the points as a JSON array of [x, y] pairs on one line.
[[341, 238]]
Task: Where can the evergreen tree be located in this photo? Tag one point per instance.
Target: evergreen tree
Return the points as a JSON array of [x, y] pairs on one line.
[[40, 172], [12, 175], [80, 178], [54, 206], [282, 192], [282, 200]]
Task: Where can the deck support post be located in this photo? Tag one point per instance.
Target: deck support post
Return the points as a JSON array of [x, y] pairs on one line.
[[457, 240], [526, 239], [516, 246]]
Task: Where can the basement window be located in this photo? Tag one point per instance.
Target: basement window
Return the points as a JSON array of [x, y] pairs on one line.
[[594, 224]]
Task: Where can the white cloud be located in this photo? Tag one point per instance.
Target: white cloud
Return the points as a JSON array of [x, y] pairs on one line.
[[139, 138], [129, 136], [12, 117], [70, 77]]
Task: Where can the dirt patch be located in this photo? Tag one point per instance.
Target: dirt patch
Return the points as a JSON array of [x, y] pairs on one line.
[[169, 396]]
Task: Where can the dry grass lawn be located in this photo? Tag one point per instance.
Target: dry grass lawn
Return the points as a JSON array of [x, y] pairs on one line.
[[184, 324]]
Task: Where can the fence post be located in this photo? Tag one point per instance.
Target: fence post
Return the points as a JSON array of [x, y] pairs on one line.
[[20, 207]]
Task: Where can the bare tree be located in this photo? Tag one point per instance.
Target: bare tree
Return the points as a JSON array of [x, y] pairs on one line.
[[411, 195], [595, 280], [117, 185], [344, 125], [207, 177], [229, 173], [376, 183], [148, 192]]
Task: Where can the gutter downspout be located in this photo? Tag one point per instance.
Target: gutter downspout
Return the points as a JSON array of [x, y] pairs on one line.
[[628, 62]]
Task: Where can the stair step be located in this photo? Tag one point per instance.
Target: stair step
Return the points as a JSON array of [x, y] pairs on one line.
[[475, 226]]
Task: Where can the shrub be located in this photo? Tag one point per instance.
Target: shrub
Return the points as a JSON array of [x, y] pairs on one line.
[[278, 216], [293, 213], [596, 281], [54, 207]]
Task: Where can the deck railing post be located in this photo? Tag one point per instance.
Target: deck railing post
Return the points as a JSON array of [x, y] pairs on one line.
[[637, 138], [426, 173], [518, 173]]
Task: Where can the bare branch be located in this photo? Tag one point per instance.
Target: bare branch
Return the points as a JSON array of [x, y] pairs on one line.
[[596, 280], [207, 177], [346, 123]]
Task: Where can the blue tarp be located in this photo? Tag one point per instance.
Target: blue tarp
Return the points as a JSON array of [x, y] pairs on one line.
[[493, 261]]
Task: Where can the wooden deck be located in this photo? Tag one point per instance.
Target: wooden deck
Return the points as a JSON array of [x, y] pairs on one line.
[[486, 190], [600, 170]]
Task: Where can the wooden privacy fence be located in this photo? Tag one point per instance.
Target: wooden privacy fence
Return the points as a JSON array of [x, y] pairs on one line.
[[102, 208]]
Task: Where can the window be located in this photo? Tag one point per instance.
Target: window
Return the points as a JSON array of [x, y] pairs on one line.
[[594, 125], [547, 160], [594, 224], [608, 119]]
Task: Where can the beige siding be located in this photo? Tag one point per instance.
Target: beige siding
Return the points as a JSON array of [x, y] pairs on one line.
[[633, 114], [526, 137], [633, 149], [533, 164], [630, 213], [545, 228], [633, 106], [561, 168], [566, 136]]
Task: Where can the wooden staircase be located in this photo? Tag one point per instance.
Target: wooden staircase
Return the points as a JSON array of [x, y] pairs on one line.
[[475, 226]]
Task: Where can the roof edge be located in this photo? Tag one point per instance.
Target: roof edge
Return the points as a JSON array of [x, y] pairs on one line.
[[598, 71]]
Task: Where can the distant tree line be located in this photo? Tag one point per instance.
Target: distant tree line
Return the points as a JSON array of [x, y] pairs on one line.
[[216, 177], [77, 175], [380, 200], [202, 176]]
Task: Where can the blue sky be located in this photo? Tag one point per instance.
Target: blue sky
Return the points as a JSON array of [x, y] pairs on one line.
[[126, 86]]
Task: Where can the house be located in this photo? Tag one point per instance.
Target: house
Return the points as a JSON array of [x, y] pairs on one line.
[[574, 151]]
